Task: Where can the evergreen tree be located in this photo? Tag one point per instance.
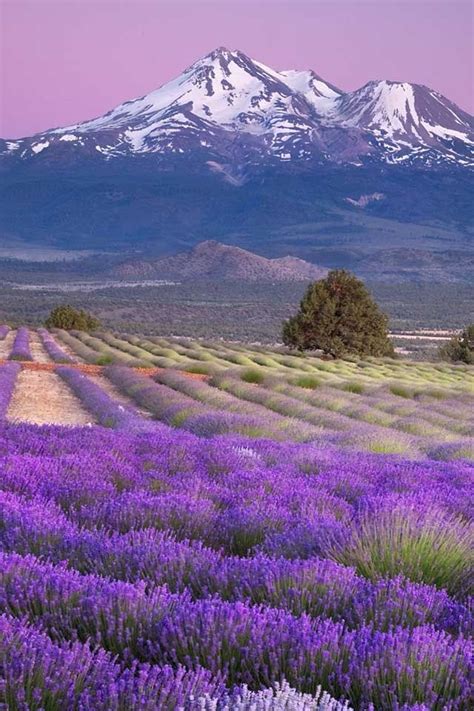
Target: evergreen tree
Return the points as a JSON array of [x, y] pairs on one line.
[[68, 318], [460, 348], [338, 316]]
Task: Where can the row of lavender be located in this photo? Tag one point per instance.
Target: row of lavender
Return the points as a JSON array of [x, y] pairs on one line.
[[36, 670], [426, 412], [231, 561], [282, 411], [227, 404], [53, 349], [213, 357], [8, 376], [107, 411], [21, 345]]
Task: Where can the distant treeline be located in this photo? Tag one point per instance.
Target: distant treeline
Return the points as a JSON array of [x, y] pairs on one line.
[[226, 310]]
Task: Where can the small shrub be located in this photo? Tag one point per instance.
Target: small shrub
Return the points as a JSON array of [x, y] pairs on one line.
[[68, 319], [424, 545], [252, 376], [200, 369], [307, 381], [434, 393], [356, 388], [453, 451], [460, 349], [239, 359], [180, 417], [265, 360], [104, 360], [385, 446], [401, 391]]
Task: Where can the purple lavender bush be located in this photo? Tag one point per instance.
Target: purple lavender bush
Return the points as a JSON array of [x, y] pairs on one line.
[[143, 566], [4, 330], [8, 376], [403, 535], [21, 346], [108, 412], [38, 674], [161, 628], [198, 409]]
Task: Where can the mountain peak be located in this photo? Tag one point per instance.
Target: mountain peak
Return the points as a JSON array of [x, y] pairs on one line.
[[209, 246], [223, 52], [219, 51], [219, 55], [410, 112]]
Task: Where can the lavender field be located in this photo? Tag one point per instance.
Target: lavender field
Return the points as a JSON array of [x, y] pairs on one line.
[[226, 526]]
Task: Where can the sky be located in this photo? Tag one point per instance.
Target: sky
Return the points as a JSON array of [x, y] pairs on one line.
[[63, 61]]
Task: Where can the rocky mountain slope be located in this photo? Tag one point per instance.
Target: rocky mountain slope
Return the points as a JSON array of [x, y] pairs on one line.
[[212, 260]]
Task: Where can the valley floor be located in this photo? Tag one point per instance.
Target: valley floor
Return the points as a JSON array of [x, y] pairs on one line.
[[228, 311]]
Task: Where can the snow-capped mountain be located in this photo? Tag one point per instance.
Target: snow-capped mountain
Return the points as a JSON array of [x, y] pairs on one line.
[[276, 162], [407, 119], [229, 110]]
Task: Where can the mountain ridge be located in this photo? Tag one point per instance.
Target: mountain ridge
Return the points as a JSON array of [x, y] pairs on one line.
[[289, 115]]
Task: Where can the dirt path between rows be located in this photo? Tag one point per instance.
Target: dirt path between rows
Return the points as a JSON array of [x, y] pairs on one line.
[[67, 349], [6, 345], [37, 349], [115, 394], [41, 397]]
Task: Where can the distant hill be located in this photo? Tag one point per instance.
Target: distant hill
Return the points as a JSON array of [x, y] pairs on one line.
[[212, 260]]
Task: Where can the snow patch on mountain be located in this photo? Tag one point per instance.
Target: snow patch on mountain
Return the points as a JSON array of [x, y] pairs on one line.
[[382, 106], [365, 200], [309, 84], [38, 147]]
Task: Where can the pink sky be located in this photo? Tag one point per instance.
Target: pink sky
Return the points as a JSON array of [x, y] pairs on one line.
[[63, 61]]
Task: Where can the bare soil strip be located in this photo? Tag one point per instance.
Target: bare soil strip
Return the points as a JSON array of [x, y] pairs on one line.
[[37, 349], [41, 397], [67, 349], [6, 345], [89, 369], [113, 392]]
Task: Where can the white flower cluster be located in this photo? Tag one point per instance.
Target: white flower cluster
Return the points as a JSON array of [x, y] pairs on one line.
[[279, 698]]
